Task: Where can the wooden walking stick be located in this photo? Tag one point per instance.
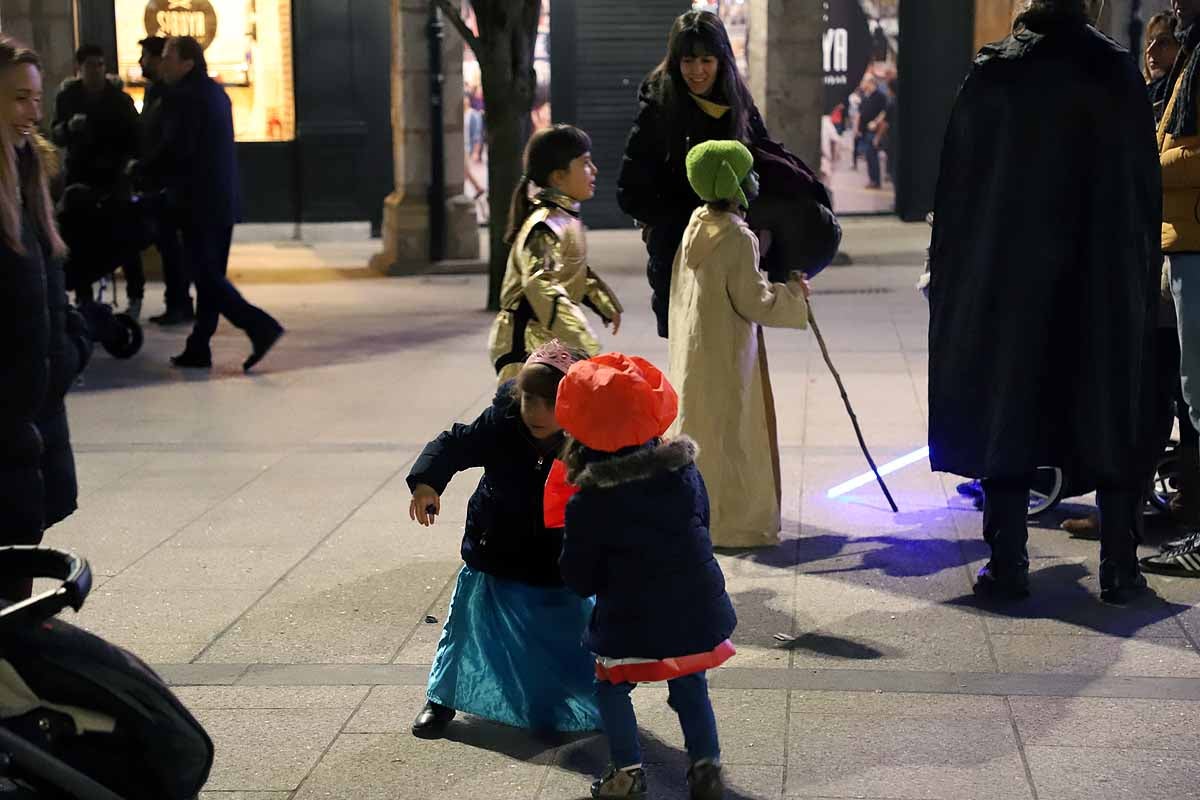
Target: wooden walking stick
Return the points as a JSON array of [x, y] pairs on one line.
[[812, 320]]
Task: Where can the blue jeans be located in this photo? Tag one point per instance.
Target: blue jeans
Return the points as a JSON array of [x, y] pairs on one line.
[[1185, 287], [688, 698]]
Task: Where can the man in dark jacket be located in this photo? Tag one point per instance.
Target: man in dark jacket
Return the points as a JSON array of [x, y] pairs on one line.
[[98, 125], [178, 300], [197, 165], [871, 116], [1044, 281]]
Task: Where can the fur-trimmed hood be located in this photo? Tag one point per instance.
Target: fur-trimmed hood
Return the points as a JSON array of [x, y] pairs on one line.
[[670, 455]]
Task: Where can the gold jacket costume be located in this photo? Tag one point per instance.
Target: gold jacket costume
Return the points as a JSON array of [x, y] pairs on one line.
[[545, 287]]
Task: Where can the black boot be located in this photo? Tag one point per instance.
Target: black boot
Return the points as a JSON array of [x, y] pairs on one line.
[[1121, 578], [432, 721], [1006, 530], [261, 344]]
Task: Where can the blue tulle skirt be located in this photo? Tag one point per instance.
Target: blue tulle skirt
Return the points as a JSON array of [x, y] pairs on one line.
[[511, 653]]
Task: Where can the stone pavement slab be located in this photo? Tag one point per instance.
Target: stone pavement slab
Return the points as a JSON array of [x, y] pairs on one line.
[[250, 537]]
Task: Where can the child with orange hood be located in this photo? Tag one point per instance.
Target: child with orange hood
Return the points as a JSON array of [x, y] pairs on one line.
[[637, 538]]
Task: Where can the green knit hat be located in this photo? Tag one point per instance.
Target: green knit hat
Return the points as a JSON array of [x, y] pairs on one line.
[[716, 170]]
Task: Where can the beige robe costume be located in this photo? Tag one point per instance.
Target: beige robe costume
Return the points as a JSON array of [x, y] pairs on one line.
[[719, 300], [546, 285]]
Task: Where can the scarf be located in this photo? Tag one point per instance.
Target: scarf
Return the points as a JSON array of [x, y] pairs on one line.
[[714, 110], [1183, 115]]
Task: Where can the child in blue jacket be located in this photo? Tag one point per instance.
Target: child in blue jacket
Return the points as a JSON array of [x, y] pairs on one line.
[[510, 649], [637, 538]]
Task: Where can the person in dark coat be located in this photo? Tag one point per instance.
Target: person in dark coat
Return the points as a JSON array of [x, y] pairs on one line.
[[694, 95], [510, 650], [29, 249], [179, 308], [95, 120], [197, 165], [1044, 284], [637, 538]]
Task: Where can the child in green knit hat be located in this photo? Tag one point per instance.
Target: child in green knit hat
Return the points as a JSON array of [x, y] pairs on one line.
[[719, 303], [722, 171]]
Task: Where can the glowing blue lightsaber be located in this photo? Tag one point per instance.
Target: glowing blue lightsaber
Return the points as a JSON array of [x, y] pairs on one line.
[[886, 469]]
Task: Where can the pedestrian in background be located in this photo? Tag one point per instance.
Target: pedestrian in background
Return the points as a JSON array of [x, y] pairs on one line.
[[97, 124], [197, 165], [178, 300]]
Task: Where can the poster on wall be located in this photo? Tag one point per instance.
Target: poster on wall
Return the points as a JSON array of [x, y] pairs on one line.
[[247, 44], [859, 51], [474, 130]]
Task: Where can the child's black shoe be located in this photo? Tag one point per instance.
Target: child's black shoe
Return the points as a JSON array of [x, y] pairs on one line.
[[704, 781], [432, 721], [621, 784]]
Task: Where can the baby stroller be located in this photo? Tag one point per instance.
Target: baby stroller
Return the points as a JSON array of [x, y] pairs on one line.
[[101, 230], [81, 719]]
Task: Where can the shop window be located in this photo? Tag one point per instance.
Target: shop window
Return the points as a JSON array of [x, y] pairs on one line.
[[248, 46], [475, 135]]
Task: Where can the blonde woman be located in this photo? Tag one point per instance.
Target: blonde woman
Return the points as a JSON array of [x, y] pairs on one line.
[[39, 359]]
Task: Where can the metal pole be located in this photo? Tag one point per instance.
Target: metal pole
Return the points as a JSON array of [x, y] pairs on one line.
[[437, 138]]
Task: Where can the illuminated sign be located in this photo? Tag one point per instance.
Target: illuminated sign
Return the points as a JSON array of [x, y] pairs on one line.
[[195, 18]]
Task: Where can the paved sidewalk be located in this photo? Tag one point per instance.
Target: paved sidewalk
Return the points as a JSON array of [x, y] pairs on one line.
[[250, 537]]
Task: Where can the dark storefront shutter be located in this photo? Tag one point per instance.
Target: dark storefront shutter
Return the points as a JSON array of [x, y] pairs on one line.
[[600, 52]]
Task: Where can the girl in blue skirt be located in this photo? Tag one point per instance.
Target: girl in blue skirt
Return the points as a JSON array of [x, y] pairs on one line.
[[511, 647]]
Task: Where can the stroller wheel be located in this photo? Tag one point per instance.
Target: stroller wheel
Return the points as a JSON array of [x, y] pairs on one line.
[[1046, 492], [129, 339], [1166, 481]]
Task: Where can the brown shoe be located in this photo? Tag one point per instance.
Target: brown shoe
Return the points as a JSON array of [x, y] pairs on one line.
[[1086, 528]]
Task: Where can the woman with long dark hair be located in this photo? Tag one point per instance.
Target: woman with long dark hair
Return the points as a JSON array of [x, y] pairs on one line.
[[39, 358], [695, 95]]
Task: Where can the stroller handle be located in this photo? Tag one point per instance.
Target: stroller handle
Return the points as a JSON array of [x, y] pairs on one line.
[[45, 562]]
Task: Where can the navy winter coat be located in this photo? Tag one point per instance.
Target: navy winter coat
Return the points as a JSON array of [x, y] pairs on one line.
[[637, 539], [505, 535], [197, 160]]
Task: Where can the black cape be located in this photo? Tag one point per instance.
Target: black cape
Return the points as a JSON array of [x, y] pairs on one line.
[[1044, 262]]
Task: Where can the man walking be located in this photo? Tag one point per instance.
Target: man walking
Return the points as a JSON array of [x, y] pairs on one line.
[[1044, 283], [178, 301], [198, 166]]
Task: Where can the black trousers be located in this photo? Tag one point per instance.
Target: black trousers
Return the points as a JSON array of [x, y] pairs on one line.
[[174, 273], [206, 255], [1006, 527]]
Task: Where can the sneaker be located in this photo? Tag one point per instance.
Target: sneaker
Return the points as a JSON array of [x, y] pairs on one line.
[[432, 721], [621, 784], [1175, 544], [1182, 561], [704, 781]]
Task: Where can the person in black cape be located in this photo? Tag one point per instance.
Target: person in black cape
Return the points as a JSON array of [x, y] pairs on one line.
[[1044, 280]]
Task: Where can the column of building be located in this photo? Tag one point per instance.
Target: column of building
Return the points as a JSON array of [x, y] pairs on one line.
[[406, 210], [785, 71]]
